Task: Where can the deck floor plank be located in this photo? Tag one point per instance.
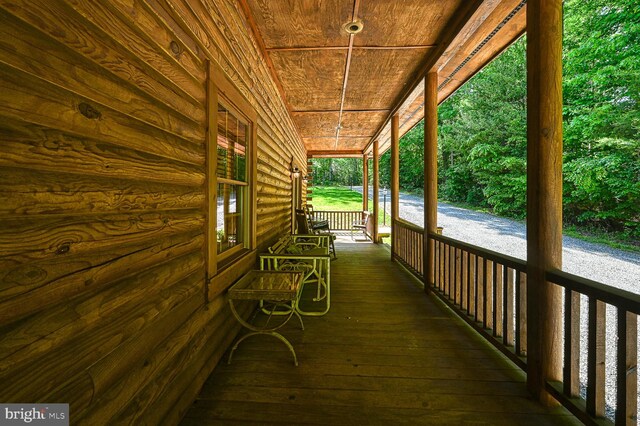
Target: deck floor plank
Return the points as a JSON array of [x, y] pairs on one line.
[[384, 354]]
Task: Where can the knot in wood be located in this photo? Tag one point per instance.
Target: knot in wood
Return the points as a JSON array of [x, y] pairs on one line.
[[89, 111], [175, 48], [63, 248]]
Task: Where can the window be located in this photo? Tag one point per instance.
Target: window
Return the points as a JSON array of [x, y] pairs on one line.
[[232, 180], [231, 173]]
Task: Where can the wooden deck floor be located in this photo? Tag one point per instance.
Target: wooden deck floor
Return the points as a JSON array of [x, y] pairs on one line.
[[385, 354]]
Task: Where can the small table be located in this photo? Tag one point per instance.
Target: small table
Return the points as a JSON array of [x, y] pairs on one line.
[[277, 287]]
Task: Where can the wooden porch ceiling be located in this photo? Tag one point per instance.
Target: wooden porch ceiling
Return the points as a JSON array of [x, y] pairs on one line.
[[341, 89]]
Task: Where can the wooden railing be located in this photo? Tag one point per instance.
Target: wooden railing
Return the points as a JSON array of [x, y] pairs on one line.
[[488, 290], [338, 220], [407, 244], [627, 308]]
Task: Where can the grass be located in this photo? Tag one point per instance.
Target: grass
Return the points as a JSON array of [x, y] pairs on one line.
[[615, 240], [341, 199]]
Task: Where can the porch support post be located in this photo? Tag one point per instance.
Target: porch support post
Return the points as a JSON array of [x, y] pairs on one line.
[[395, 178], [365, 183], [544, 193], [430, 174], [376, 187]]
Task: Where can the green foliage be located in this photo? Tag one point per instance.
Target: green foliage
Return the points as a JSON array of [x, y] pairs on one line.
[[603, 189], [482, 152], [482, 138], [337, 171]]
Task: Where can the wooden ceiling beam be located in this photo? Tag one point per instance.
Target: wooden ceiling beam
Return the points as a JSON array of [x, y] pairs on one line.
[[335, 153], [302, 48], [356, 4], [344, 137], [333, 111]]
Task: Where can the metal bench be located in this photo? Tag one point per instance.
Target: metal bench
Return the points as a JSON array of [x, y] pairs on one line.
[[308, 254]]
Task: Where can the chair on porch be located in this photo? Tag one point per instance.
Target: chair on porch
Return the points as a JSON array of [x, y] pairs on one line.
[[361, 224], [304, 226], [315, 224]]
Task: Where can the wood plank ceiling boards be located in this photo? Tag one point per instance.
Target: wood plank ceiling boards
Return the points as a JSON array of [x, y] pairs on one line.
[[341, 89]]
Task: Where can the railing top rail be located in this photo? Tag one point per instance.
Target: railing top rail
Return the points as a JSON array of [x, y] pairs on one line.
[[509, 261], [339, 211], [409, 225], [611, 295]]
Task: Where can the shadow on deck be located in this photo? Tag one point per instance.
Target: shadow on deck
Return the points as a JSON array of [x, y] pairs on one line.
[[385, 354]]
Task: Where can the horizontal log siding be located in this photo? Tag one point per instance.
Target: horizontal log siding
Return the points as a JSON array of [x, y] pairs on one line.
[[102, 200]]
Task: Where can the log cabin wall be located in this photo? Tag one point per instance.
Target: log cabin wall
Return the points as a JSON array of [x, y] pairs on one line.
[[103, 300]]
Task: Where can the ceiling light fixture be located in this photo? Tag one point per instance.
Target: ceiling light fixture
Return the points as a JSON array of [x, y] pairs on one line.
[[353, 27]]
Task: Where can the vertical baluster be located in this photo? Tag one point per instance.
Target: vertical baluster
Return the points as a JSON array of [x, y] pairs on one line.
[[508, 303], [497, 299], [627, 369], [464, 281], [420, 251], [458, 277], [452, 271], [521, 313], [447, 255], [571, 370], [437, 258], [487, 291], [471, 294], [416, 255], [596, 358], [439, 277], [480, 278], [414, 251], [446, 268], [454, 275], [440, 267]]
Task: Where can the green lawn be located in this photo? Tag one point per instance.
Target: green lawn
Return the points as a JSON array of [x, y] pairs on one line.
[[340, 198]]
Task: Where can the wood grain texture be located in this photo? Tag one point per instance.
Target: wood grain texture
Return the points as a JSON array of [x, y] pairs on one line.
[[292, 23], [53, 62], [25, 98], [385, 353], [406, 23], [102, 194], [33, 192], [312, 79], [346, 144], [323, 124], [377, 76], [544, 193], [82, 39]]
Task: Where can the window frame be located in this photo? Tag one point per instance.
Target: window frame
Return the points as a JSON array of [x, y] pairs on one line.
[[220, 90]]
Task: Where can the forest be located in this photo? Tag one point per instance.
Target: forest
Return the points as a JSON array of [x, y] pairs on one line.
[[482, 140]]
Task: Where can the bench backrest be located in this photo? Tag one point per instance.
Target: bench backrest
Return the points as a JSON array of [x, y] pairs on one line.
[[281, 245]]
